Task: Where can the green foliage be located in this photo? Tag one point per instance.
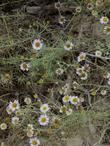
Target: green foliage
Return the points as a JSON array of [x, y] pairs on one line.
[[52, 72]]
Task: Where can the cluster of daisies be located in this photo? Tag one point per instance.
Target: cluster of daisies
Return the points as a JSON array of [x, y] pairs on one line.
[[91, 7], [37, 45], [14, 109], [69, 102], [82, 71], [43, 121], [105, 20]]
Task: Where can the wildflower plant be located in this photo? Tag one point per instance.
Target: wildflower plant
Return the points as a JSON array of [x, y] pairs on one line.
[[55, 75]]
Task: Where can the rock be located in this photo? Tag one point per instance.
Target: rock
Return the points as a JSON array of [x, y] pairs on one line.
[[76, 141]]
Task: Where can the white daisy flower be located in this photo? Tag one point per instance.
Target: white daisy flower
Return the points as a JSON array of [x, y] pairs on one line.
[[6, 78], [59, 71], [3, 126], [68, 46], [43, 120], [81, 99], [79, 71], [78, 9], [13, 106], [98, 53], [18, 112], [81, 57], [104, 20], [15, 120], [30, 133], [24, 66], [74, 100], [107, 30], [44, 108], [66, 99], [86, 67], [90, 6], [103, 92], [9, 111], [27, 100], [69, 111], [57, 5], [34, 141], [99, 3], [37, 44], [84, 75], [61, 20], [63, 109]]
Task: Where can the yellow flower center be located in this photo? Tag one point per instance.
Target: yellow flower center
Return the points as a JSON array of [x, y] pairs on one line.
[[63, 109], [37, 44], [68, 45], [34, 142], [78, 9], [44, 108], [105, 19], [57, 121], [83, 74], [82, 57], [25, 65], [108, 29], [66, 98], [62, 19], [43, 120], [75, 100], [80, 71], [14, 105]]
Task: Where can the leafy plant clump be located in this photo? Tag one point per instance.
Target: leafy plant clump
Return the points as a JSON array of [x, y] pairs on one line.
[[54, 72]]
